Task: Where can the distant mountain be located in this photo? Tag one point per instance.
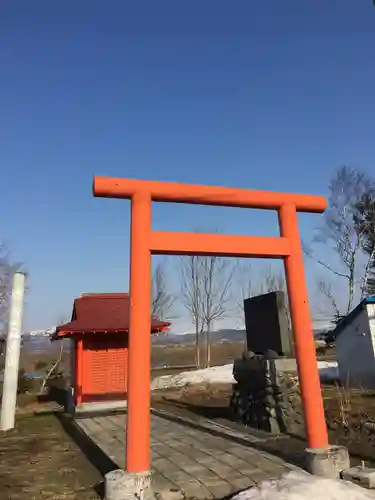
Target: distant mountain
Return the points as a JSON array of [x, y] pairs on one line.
[[225, 335], [39, 340]]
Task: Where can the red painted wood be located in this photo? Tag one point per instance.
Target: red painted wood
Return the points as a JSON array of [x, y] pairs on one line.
[[105, 366]]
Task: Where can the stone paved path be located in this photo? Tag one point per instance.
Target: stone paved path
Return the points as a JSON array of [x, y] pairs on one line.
[[192, 460]]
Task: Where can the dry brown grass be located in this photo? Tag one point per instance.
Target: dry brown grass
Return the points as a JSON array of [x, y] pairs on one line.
[[175, 355], [179, 355], [38, 461]]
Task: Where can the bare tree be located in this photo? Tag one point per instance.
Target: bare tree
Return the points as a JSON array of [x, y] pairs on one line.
[[325, 289], [192, 296], [162, 300], [346, 188], [7, 270], [55, 364], [245, 285], [217, 274], [274, 281], [206, 283], [250, 285], [271, 280], [365, 222]]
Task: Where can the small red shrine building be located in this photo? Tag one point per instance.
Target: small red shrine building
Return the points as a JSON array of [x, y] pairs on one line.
[[99, 346]]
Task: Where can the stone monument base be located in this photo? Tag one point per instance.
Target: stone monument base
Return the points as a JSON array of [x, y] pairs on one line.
[[266, 395]]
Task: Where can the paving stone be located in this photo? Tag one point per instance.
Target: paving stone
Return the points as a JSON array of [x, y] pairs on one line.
[[192, 487], [161, 448], [212, 481], [292, 467], [119, 420], [170, 433], [204, 460], [221, 489], [223, 444], [163, 464], [242, 483], [233, 461], [184, 461], [195, 470], [199, 491], [221, 469], [193, 441], [107, 423], [179, 477], [244, 452], [122, 438], [194, 453], [210, 450], [154, 455], [266, 465], [254, 473], [250, 470], [172, 442], [175, 455], [183, 458], [277, 460], [161, 483], [90, 425], [119, 458]]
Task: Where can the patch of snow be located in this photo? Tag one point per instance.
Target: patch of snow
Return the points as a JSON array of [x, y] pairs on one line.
[[303, 486], [215, 374], [224, 375]]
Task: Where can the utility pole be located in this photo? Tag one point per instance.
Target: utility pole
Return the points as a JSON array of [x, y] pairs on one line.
[[12, 356]]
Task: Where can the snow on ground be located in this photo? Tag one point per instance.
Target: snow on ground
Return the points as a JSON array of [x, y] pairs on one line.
[[303, 486], [224, 375], [215, 374]]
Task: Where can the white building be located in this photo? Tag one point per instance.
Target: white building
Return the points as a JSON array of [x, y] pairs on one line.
[[355, 344]]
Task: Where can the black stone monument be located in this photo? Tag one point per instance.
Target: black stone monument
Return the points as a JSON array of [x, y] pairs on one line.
[[267, 325]]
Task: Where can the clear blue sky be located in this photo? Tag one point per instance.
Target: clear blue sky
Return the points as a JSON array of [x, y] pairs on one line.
[[266, 95]]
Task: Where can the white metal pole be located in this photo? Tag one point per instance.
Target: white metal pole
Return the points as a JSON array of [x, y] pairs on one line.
[[12, 356]]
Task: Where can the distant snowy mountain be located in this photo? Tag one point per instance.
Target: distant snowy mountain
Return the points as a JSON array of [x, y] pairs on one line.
[[225, 335], [218, 336], [41, 333], [39, 340]]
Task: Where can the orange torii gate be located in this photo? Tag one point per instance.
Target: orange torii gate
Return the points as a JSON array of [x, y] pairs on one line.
[[144, 242]]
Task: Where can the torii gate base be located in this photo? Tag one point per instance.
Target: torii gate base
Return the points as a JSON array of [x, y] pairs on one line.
[[145, 242]]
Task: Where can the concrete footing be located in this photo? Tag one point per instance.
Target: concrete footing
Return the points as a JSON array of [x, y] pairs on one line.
[[328, 462], [122, 485], [362, 476]]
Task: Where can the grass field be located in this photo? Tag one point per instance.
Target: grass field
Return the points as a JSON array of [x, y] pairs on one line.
[[39, 461], [174, 355], [180, 355]]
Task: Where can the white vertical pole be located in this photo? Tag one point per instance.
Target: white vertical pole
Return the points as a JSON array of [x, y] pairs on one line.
[[12, 356]]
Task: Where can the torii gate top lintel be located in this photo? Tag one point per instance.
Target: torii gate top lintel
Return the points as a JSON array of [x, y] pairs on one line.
[[195, 194]]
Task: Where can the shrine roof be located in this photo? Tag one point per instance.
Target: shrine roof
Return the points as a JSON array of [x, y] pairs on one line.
[[102, 312]]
